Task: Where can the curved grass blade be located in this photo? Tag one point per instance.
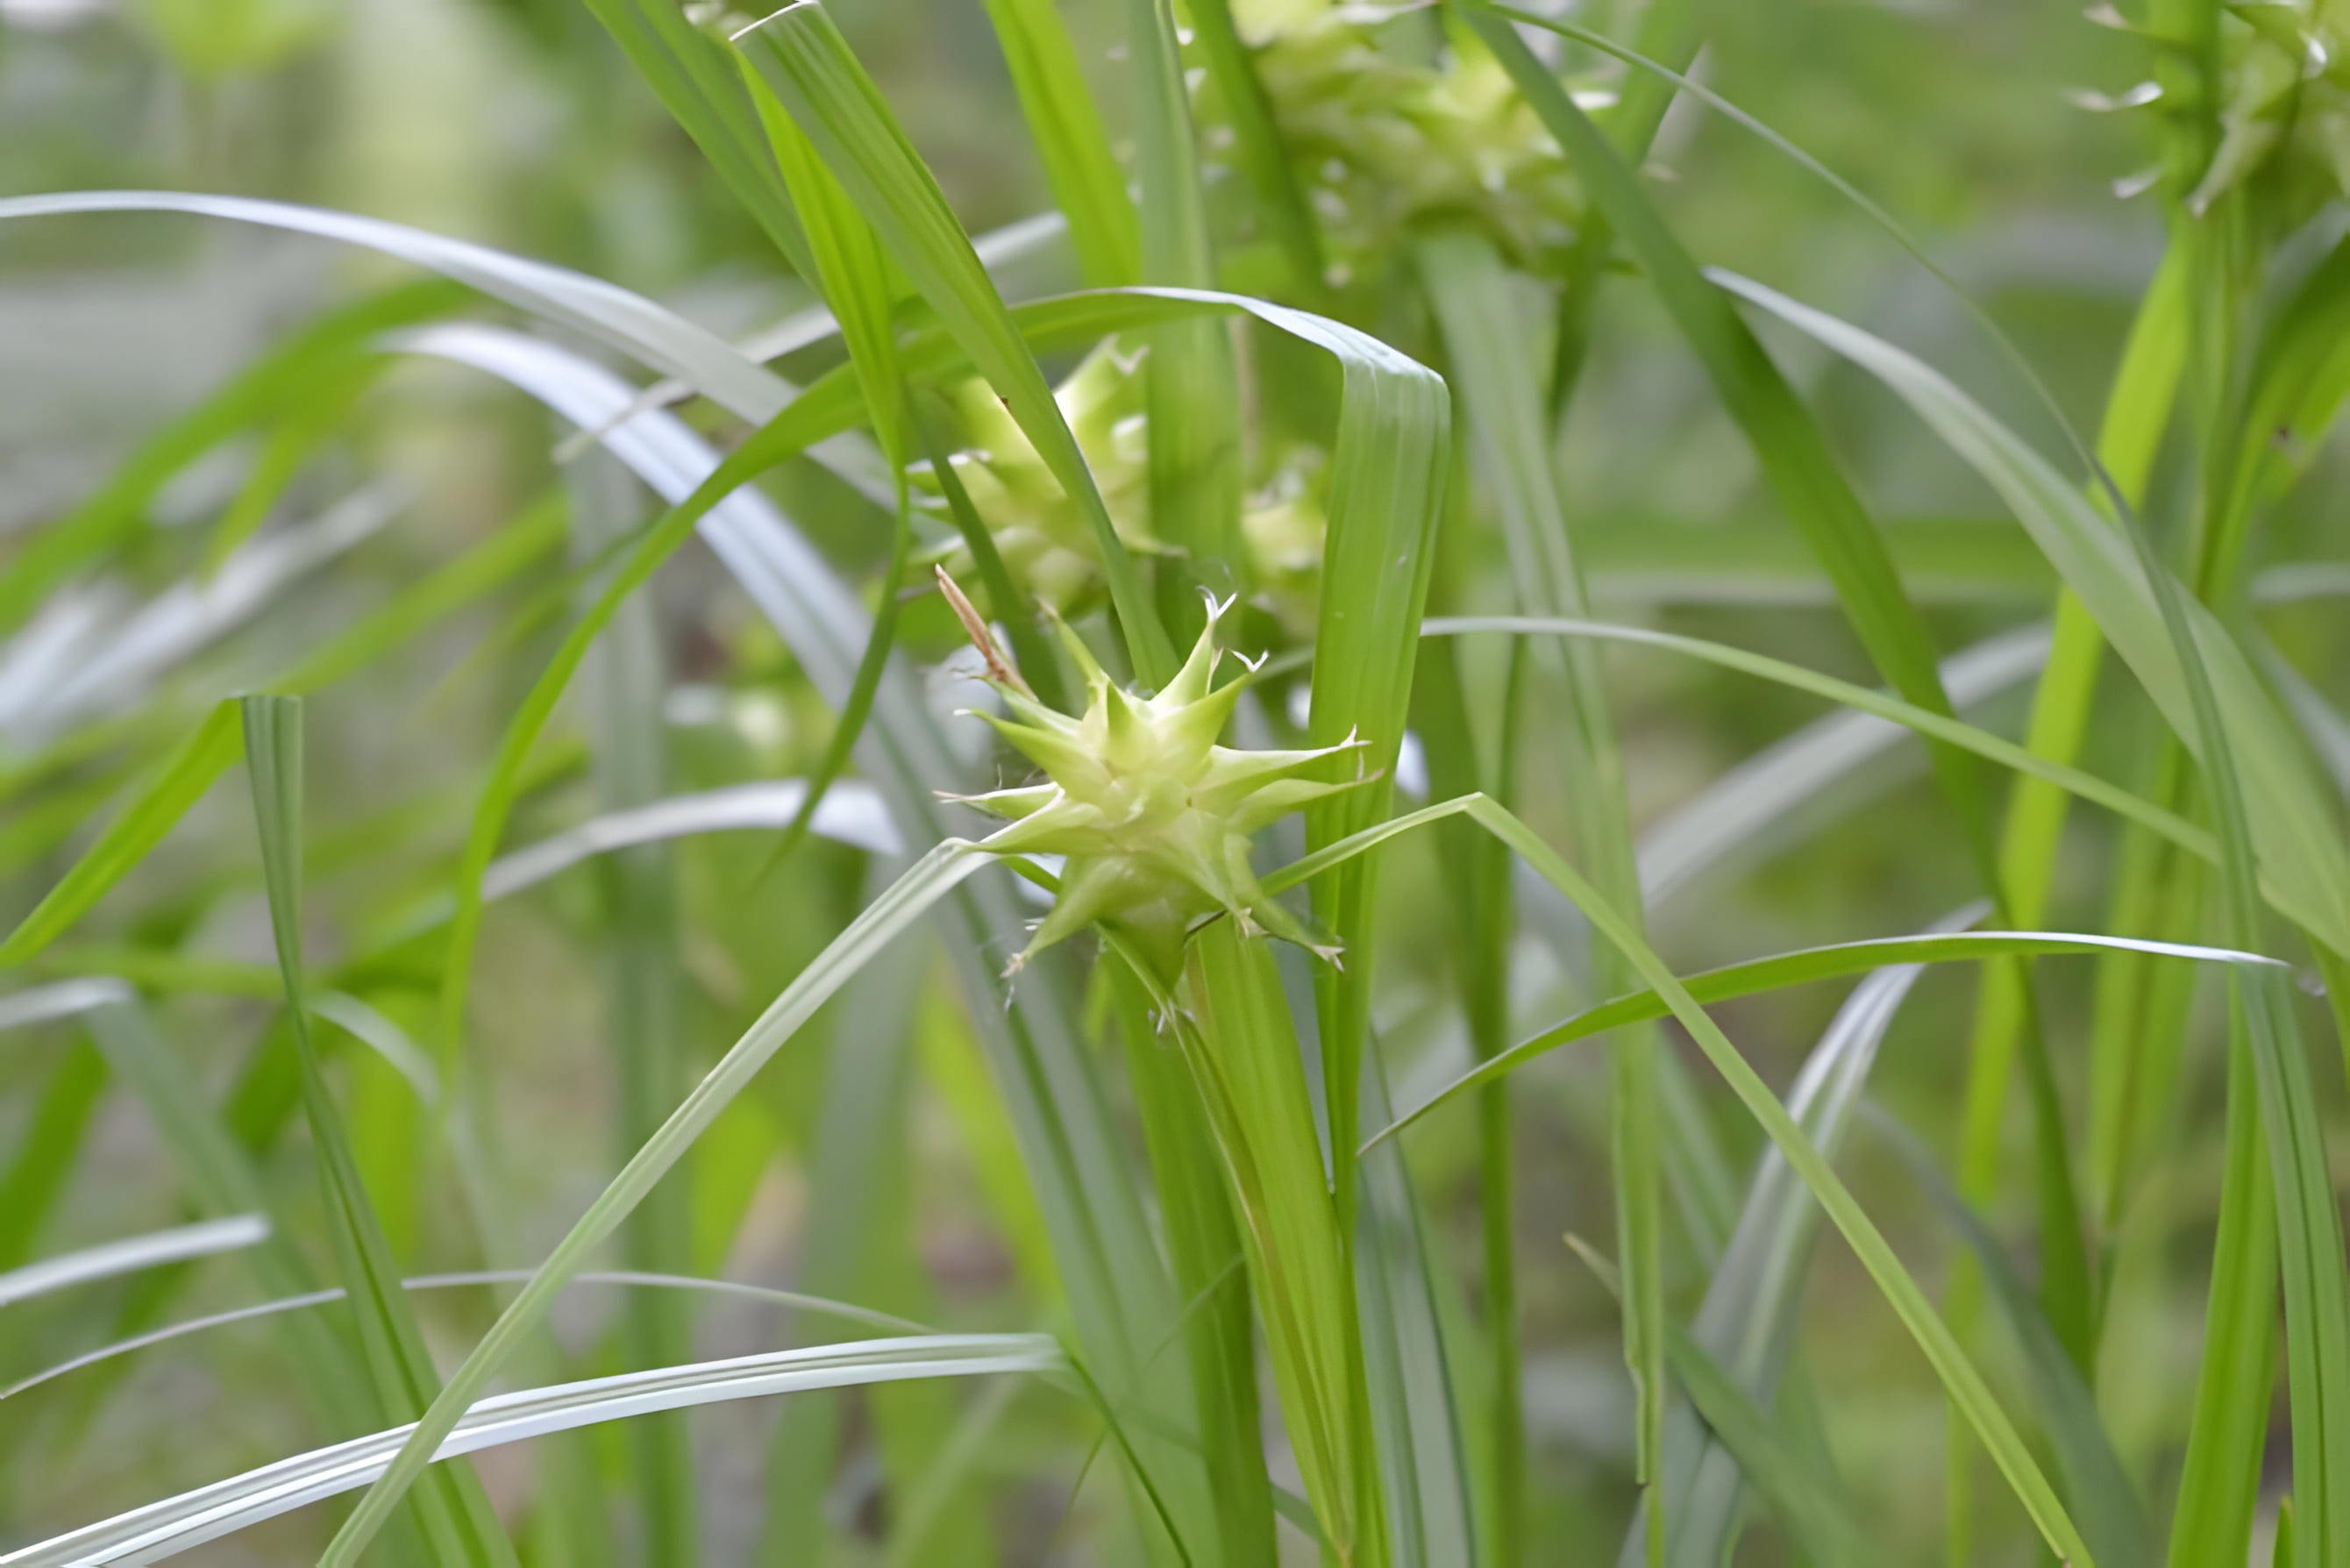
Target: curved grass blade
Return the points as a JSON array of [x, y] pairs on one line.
[[2272, 816], [603, 311], [204, 1239], [165, 1528], [1900, 1290], [793, 1301], [1800, 967]]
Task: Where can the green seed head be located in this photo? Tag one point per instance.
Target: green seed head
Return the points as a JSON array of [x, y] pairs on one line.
[[1152, 817], [2285, 108], [1047, 545], [1387, 132]]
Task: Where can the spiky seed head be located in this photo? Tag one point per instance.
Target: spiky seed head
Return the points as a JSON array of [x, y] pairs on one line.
[[1151, 815]]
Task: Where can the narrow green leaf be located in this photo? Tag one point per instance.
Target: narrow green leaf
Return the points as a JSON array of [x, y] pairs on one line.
[[929, 880], [2298, 841], [152, 812], [451, 1510], [1191, 382], [1901, 1290], [1479, 309], [1065, 129], [845, 116], [2102, 1496], [1786, 440], [1800, 967]]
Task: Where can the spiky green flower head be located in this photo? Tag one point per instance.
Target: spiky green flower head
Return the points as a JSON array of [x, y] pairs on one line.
[[1044, 538], [1151, 815], [2285, 108], [1047, 545], [1390, 124]]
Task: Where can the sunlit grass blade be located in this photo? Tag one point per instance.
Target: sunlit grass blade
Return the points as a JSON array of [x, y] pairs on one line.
[[204, 1239], [796, 1301], [452, 1512], [1065, 130], [164, 1529]]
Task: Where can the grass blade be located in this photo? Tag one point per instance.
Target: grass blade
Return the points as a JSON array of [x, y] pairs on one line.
[[2295, 833], [1065, 129], [204, 1239], [167, 1528], [1797, 968], [930, 879], [844, 114], [182, 779], [452, 1512], [1747, 1323], [2102, 1496]]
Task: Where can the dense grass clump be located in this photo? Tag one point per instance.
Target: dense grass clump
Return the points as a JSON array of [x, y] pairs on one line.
[[1281, 835]]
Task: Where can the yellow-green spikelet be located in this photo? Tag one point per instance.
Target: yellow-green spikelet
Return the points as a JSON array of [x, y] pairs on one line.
[[1152, 817]]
